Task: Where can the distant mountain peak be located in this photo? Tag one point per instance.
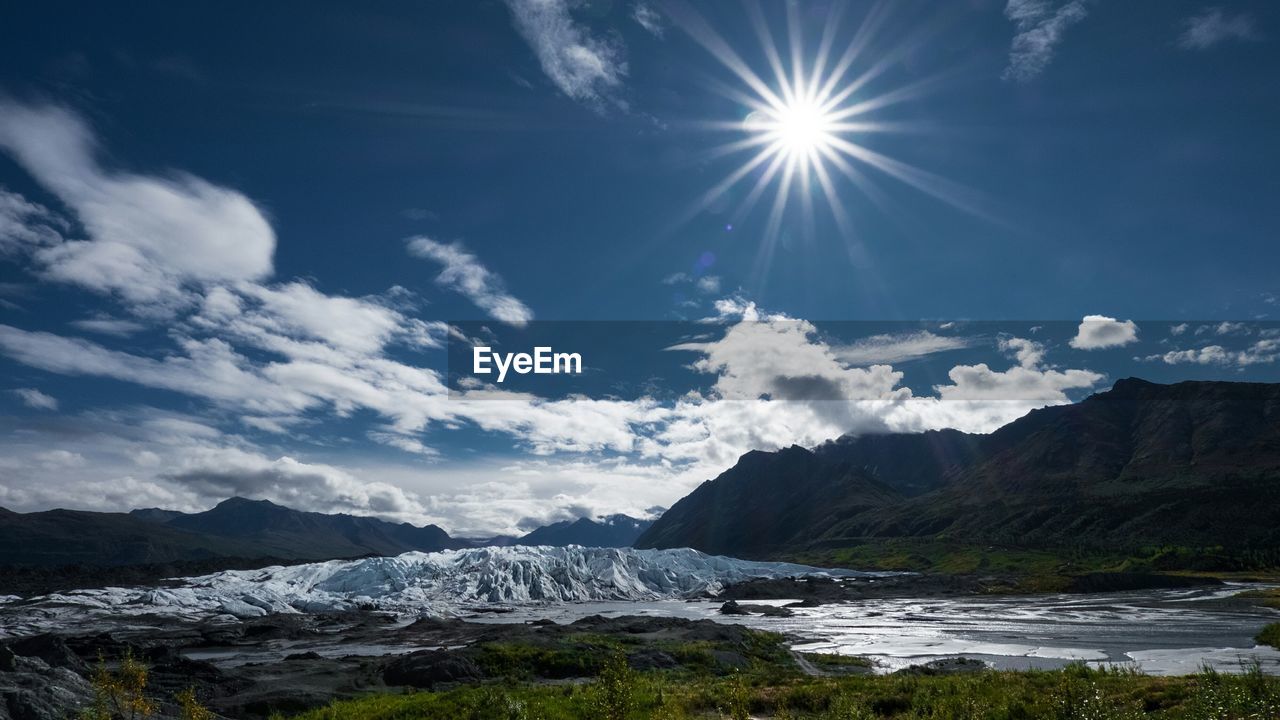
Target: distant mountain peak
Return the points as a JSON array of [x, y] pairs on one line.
[[617, 530]]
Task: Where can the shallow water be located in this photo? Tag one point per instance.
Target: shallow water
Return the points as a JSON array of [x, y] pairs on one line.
[[1161, 632]]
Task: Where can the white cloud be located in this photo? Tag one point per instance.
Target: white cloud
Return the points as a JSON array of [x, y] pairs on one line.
[[26, 226], [1024, 384], [1260, 352], [147, 458], [35, 399], [1179, 329], [463, 273], [586, 68], [1097, 332], [220, 472], [1028, 352], [273, 356], [648, 18], [1040, 25], [1208, 355], [708, 284], [704, 284], [1213, 26], [898, 347], [1232, 328], [783, 359], [104, 325], [149, 236]]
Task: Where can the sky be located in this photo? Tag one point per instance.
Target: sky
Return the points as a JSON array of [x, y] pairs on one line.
[[248, 250]]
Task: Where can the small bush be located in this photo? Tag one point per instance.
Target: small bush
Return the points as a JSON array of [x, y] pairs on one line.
[[615, 689], [1270, 635]]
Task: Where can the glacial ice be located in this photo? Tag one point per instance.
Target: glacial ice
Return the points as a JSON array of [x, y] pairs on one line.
[[416, 583]]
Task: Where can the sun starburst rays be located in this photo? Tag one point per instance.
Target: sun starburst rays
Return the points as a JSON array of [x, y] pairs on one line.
[[804, 129]]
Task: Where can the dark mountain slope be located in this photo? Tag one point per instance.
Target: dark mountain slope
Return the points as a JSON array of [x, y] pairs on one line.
[[64, 537], [286, 532], [771, 500], [608, 531], [235, 528], [1196, 463]]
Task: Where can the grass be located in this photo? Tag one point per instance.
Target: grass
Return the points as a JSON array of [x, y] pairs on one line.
[[1269, 597], [1270, 635], [823, 660], [1075, 693]]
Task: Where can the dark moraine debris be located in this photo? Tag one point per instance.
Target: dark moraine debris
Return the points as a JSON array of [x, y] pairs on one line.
[[430, 668], [732, 607]]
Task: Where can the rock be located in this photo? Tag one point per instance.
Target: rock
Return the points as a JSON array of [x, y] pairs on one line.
[[50, 648], [430, 668], [945, 666], [651, 659], [8, 661], [732, 607], [729, 660], [309, 655], [34, 691]]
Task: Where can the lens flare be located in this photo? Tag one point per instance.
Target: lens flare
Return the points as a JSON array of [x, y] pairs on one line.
[[808, 124]]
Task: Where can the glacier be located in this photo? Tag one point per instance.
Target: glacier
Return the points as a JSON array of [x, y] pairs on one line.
[[417, 584]]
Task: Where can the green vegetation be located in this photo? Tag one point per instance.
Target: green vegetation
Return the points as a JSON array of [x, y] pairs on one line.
[[121, 694], [838, 661], [1270, 635], [1269, 597], [1044, 570], [951, 558], [620, 693]]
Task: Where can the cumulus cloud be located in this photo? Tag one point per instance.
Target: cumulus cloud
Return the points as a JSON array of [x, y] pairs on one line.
[[149, 236], [220, 472], [782, 358], [585, 67], [463, 273], [1040, 26], [1260, 352], [1097, 332], [1029, 353], [1213, 26], [148, 458], [35, 399]]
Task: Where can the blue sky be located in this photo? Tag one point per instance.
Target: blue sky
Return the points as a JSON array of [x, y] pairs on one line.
[[233, 239]]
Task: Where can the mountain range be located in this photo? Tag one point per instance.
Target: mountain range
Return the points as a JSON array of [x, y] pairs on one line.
[[1193, 464], [247, 529]]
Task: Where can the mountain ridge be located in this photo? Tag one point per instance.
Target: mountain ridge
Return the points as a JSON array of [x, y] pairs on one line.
[[1140, 464]]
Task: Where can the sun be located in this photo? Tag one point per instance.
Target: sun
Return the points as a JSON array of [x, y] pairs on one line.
[[801, 129], [806, 129]]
